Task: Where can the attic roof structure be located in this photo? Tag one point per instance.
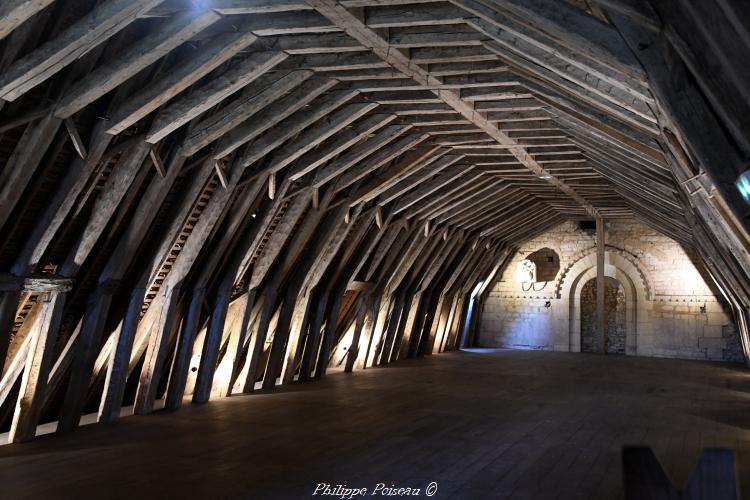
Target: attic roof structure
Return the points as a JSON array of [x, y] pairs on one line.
[[205, 197]]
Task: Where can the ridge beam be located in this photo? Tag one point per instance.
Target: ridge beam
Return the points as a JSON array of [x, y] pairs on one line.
[[355, 28]]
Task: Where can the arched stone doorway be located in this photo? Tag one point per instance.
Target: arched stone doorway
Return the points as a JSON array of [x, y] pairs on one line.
[[617, 265], [612, 340]]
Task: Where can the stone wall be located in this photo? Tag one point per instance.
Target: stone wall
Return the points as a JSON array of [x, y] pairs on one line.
[[671, 311]]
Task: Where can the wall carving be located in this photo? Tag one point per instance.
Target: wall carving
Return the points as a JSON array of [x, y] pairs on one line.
[[669, 309]]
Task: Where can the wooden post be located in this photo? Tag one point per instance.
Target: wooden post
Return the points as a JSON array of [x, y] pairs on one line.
[[351, 355], [600, 326], [313, 344], [255, 349], [8, 305], [281, 336], [237, 342], [93, 323], [119, 359], [373, 305], [184, 350], [328, 333], [211, 345], [38, 365], [156, 352]]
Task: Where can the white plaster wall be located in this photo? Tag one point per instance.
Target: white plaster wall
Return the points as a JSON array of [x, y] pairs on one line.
[[670, 292]]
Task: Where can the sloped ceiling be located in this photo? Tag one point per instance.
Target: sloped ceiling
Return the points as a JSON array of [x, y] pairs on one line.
[[191, 144]]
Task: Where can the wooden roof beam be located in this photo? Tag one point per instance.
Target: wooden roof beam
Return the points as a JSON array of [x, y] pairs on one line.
[[318, 43], [469, 218], [469, 198], [344, 140], [203, 98], [14, 13], [140, 55], [417, 160], [313, 136], [493, 17], [416, 177], [430, 186], [368, 38], [359, 152], [241, 7], [299, 122], [573, 28], [103, 22], [207, 58], [369, 165], [390, 16], [458, 188], [253, 99], [272, 114]]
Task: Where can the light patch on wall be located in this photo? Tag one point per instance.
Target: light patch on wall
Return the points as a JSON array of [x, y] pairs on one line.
[[342, 350], [476, 289]]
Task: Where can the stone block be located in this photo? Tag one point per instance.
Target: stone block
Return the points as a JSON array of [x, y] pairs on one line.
[[710, 343]]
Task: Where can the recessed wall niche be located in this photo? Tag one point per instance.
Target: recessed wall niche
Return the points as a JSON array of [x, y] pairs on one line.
[[547, 263]]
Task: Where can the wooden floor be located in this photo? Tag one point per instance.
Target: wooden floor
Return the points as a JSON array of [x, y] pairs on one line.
[[499, 424]]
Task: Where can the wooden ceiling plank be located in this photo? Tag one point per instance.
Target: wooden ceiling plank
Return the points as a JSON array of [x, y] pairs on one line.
[[98, 26], [296, 123], [146, 51], [207, 58], [342, 142], [270, 115], [359, 152], [200, 99], [14, 13], [255, 98], [322, 130]]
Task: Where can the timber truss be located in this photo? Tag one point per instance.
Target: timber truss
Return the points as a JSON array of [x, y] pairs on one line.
[[206, 197]]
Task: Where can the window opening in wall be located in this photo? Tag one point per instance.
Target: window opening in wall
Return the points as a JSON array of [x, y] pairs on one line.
[[587, 226]]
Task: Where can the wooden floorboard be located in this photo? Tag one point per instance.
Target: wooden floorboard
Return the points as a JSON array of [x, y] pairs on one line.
[[494, 424]]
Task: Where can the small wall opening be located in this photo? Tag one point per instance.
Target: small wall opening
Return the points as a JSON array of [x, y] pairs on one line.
[[612, 340], [547, 264]]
